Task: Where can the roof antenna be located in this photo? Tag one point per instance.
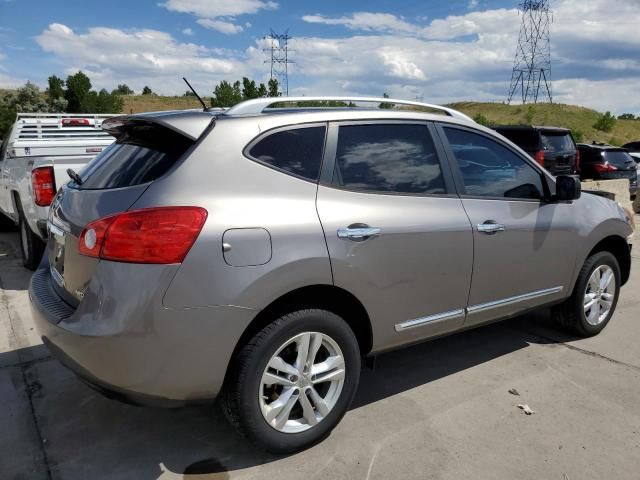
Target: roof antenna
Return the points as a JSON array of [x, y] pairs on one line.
[[204, 105]]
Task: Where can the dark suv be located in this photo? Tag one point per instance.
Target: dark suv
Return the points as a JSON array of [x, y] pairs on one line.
[[606, 162], [632, 147], [552, 147]]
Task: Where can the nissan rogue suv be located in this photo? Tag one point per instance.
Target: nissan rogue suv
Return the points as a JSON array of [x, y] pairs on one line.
[[258, 254]]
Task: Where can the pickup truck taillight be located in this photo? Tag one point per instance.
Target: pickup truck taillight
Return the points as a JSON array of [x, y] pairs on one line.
[[605, 167], [540, 158], [44, 185], [151, 235], [578, 161]]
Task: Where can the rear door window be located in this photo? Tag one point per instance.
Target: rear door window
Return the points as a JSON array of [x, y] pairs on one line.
[[140, 154], [395, 158], [557, 142], [297, 151]]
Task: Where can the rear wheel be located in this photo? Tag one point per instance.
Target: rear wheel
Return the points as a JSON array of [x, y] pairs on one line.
[[293, 381], [31, 246], [594, 298]]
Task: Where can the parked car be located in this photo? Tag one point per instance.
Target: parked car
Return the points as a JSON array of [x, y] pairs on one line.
[[258, 254], [632, 147], [636, 158], [552, 147], [33, 163], [605, 162]]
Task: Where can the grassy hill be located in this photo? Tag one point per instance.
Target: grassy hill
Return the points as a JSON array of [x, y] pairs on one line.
[[579, 119], [153, 103]]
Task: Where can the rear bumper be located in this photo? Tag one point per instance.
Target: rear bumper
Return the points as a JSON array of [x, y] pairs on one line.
[[134, 349]]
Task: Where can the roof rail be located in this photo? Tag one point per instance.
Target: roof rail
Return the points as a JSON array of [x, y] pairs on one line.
[[259, 105]]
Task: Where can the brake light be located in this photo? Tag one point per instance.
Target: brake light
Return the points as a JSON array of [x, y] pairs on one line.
[[43, 185], [75, 122], [540, 158], [151, 235], [578, 160], [605, 167]]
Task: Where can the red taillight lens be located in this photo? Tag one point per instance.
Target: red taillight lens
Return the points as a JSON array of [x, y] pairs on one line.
[[605, 167], [540, 158], [43, 185], [151, 235], [577, 160], [75, 122]]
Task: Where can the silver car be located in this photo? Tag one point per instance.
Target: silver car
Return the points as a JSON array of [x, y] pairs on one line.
[[259, 254]]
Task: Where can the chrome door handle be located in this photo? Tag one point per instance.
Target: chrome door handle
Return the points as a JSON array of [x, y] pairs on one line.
[[490, 228], [358, 233]]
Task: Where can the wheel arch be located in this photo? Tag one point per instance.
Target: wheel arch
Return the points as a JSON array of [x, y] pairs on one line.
[[326, 297], [619, 248]]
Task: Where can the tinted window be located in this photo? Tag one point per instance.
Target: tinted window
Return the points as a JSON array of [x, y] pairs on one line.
[[297, 151], [491, 170], [528, 140], [557, 142], [388, 158], [141, 154], [619, 158]]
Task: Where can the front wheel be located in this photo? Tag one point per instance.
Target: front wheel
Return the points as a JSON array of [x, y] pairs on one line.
[[293, 381], [594, 298]]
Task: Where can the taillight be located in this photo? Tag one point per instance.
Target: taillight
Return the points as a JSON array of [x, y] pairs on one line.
[[605, 167], [75, 122], [43, 185], [578, 160], [540, 158], [150, 235]]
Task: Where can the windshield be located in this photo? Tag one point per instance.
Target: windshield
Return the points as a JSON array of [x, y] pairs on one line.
[[618, 158], [560, 142]]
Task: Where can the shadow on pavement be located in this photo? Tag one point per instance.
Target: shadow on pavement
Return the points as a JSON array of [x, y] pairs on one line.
[[88, 436]]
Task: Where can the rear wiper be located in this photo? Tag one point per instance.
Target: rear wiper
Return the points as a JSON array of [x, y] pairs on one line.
[[73, 175]]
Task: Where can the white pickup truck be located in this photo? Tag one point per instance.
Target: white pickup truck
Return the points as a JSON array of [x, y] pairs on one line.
[[34, 159]]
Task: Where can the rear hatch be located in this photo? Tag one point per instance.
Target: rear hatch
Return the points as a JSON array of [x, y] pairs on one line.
[[559, 152], [146, 148], [619, 165]]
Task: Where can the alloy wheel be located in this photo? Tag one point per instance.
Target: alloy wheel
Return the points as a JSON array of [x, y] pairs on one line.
[[599, 295]]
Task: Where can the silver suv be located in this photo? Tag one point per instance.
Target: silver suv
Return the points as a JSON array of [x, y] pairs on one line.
[[258, 254]]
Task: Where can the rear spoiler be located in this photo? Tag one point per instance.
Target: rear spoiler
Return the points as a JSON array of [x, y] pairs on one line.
[[190, 123]]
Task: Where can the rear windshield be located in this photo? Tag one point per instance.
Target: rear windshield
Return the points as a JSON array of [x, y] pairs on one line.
[[557, 142], [141, 153], [525, 139], [618, 158]]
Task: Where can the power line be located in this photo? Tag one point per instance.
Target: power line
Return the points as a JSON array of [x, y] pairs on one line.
[[278, 57], [531, 74]]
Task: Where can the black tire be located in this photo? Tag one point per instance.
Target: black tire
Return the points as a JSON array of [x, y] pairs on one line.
[[31, 246], [240, 395], [571, 315]]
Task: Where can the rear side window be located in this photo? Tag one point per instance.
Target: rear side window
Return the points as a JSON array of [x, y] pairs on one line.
[[388, 158], [557, 142], [297, 151], [141, 153]]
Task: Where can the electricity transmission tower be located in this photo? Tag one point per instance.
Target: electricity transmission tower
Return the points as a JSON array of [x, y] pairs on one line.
[[531, 76], [278, 53]]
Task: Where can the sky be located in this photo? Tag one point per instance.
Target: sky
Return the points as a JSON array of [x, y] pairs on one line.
[[441, 51]]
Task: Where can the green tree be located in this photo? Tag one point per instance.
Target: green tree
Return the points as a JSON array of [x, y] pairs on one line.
[[122, 89], [262, 91], [30, 99], [102, 102], [272, 88], [605, 123], [480, 119], [385, 105], [226, 95], [531, 113], [577, 135], [249, 89], [78, 87], [147, 90], [7, 114], [189, 93], [627, 116]]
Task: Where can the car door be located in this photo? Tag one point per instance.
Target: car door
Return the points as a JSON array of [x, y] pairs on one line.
[[524, 247], [397, 235]]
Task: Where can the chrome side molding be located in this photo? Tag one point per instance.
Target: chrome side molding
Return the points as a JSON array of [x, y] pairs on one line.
[[440, 317], [462, 312]]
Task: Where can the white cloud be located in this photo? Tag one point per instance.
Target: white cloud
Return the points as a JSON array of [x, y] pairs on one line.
[[139, 57], [367, 21], [188, 31], [220, 25], [219, 15]]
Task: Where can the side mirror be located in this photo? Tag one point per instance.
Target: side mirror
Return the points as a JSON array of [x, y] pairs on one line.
[[568, 188]]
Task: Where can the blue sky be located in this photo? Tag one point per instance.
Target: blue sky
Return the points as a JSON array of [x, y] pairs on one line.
[[443, 51]]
